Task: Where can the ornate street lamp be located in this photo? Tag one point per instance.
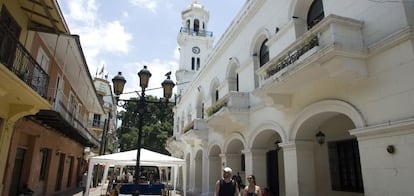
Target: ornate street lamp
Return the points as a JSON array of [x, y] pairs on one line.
[[144, 76]]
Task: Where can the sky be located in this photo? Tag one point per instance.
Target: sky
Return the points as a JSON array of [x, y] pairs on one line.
[[124, 35]]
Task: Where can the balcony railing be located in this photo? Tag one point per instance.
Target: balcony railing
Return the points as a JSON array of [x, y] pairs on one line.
[[293, 55], [196, 124], [333, 48], [196, 32], [230, 112], [18, 60], [69, 113]]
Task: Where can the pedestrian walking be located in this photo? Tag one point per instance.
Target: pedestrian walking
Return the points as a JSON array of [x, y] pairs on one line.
[[226, 186], [252, 189]]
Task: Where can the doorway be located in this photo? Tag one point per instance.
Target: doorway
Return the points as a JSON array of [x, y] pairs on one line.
[[273, 172], [17, 171]]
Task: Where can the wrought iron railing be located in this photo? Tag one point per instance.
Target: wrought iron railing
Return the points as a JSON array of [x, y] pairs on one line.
[[18, 60], [196, 32], [293, 55]]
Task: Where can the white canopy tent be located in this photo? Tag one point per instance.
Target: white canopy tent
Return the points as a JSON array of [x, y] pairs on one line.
[[147, 158]]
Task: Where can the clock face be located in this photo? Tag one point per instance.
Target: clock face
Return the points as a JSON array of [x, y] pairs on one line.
[[196, 50]]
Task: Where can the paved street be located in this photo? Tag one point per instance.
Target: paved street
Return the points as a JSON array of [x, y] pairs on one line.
[[101, 190]]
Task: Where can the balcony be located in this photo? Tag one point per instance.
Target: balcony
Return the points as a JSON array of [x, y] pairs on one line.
[[333, 48], [15, 57], [195, 130], [175, 146], [65, 119], [229, 113], [196, 32]]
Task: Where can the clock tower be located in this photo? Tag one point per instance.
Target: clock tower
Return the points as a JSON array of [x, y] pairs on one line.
[[194, 41]]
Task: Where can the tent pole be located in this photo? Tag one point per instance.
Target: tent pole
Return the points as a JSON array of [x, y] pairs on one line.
[[89, 179], [185, 180], [105, 176]]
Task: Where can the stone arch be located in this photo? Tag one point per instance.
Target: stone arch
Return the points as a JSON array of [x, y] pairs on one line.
[[189, 112], [329, 107], [334, 118], [198, 170], [232, 75], [214, 165], [267, 125], [182, 120], [188, 162], [257, 41], [299, 9], [234, 136], [214, 86], [233, 152], [260, 35], [266, 156], [200, 105]]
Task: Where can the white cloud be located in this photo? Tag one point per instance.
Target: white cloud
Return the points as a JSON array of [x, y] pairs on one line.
[[97, 36], [151, 5], [82, 11]]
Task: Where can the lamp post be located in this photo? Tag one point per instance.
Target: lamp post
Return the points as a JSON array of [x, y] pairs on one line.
[[144, 76]]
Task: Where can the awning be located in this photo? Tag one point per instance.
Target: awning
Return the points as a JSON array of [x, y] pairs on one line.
[[55, 120]]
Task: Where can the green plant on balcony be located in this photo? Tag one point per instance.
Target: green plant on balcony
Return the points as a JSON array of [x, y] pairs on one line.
[[188, 127], [293, 55], [216, 107]]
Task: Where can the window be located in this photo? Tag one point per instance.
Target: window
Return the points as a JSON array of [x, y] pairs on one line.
[[315, 13], [9, 33], [217, 95], [345, 166], [264, 53], [202, 110], [192, 63], [39, 80], [196, 26], [198, 63], [42, 59], [70, 173], [242, 162], [44, 153], [96, 120], [237, 82]]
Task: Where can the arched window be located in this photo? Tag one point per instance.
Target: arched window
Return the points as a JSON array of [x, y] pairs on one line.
[[264, 53], [315, 13], [196, 25], [188, 24]]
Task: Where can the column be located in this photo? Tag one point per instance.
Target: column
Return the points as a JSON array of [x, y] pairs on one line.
[[299, 168], [256, 164]]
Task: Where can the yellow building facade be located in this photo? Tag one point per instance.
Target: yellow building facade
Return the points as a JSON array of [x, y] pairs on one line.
[[46, 98]]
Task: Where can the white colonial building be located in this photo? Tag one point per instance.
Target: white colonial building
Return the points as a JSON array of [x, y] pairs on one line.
[[287, 71]]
